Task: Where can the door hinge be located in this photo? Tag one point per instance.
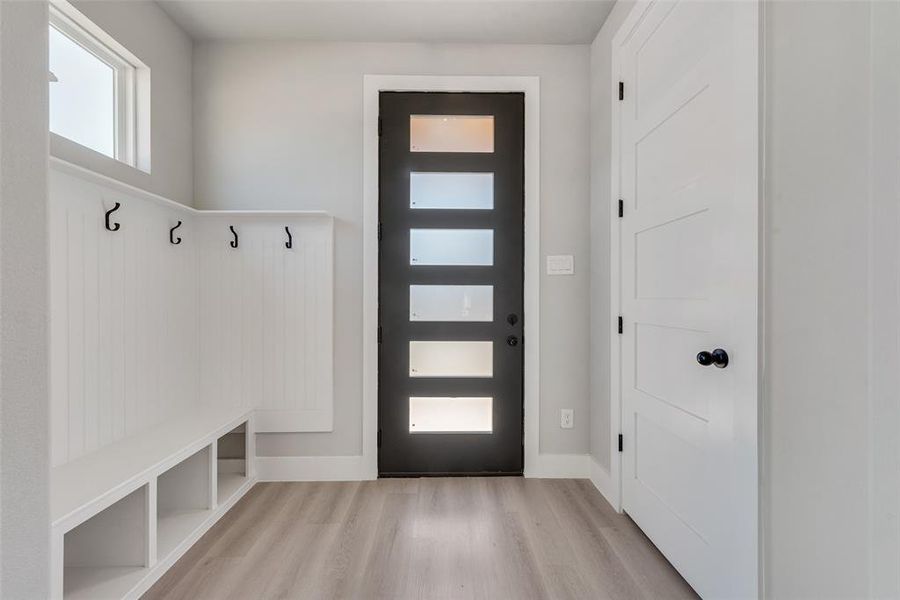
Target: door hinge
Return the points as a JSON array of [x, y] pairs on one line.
[[379, 127], [621, 90], [620, 441], [379, 334], [621, 208], [620, 324], [379, 232], [379, 438]]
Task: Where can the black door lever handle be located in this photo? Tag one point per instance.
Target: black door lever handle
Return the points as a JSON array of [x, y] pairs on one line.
[[717, 357]]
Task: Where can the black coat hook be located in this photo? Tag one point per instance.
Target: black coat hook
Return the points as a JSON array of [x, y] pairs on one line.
[[172, 238], [234, 242], [290, 243], [115, 226]]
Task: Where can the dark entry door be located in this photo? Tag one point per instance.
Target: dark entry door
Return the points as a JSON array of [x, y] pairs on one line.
[[451, 206]]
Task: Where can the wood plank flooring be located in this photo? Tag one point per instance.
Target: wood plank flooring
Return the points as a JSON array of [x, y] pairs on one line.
[[446, 538]]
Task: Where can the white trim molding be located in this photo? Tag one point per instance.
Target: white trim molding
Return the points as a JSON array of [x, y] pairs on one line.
[[530, 86], [605, 483], [557, 466], [614, 480]]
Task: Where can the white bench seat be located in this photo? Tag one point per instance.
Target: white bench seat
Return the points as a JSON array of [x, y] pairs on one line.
[[99, 479], [124, 479]]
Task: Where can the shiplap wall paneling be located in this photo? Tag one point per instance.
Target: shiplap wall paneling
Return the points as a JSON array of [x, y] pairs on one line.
[[123, 316], [266, 319]]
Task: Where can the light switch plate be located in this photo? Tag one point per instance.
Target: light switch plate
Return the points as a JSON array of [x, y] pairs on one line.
[[561, 264]]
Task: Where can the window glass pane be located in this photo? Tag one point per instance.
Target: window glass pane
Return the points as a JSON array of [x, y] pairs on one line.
[[451, 359], [450, 415], [82, 100], [451, 190], [451, 303], [451, 247], [451, 133]]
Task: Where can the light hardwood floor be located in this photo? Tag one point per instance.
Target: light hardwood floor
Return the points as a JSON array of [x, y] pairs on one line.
[[447, 538]]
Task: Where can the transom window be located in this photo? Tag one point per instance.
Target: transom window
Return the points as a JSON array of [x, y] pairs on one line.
[[94, 87]]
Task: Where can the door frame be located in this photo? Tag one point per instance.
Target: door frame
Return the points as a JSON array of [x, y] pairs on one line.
[[748, 50], [530, 86]]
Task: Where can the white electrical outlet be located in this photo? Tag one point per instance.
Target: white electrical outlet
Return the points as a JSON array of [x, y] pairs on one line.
[[566, 418]]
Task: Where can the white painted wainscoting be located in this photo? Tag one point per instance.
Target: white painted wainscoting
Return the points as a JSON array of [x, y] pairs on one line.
[[266, 324], [143, 330], [123, 316]]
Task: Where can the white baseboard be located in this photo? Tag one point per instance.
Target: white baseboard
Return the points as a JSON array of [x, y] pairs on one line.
[[312, 468], [604, 483], [354, 468], [559, 466]]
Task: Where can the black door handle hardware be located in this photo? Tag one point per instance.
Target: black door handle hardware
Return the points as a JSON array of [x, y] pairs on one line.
[[233, 243], [290, 241], [512, 318], [512, 340], [717, 357]]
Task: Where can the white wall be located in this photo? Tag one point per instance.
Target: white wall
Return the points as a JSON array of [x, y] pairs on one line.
[[884, 340], [148, 32], [24, 443], [831, 301], [830, 411], [279, 125]]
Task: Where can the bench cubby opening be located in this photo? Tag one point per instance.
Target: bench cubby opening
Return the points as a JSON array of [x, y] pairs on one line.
[[107, 555], [231, 462], [184, 500]]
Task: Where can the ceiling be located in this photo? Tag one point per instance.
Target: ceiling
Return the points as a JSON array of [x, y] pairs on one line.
[[437, 21]]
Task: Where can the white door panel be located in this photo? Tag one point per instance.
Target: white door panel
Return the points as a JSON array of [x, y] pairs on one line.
[[693, 29], [661, 250], [688, 139], [664, 363]]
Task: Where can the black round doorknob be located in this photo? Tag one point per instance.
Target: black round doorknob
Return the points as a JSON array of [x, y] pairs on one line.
[[512, 340], [717, 357]]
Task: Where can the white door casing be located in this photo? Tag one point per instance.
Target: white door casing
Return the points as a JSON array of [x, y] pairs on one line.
[[687, 173]]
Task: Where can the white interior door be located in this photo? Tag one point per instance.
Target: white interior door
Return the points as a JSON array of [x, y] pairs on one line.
[[688, 176]]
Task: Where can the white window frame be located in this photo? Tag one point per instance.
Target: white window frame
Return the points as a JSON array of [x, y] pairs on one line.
[[71, 23]]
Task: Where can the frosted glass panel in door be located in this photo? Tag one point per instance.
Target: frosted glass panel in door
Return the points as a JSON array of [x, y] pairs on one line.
[[451, 247], [451, 133], [451, 303], [451, 190], [451, 359], [450, 415]]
